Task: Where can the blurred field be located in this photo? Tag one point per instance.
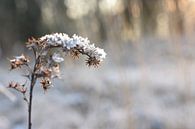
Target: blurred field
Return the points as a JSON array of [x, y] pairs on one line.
[[146, 81]]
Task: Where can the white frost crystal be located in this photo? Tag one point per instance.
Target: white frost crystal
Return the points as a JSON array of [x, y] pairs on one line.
[[57, 58], [55, 39], [75, 42], [100, 54], [71, 43]]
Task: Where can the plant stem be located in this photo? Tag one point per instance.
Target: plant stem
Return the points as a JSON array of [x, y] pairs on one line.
[[32, 84], [33, 80]]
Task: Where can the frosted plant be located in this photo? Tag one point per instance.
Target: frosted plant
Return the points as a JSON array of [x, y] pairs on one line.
[[47, 61]]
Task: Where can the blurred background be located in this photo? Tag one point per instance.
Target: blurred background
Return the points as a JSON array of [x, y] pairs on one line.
[[146, 82]]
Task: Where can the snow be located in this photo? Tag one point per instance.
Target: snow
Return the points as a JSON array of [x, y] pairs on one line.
[[153, 93]]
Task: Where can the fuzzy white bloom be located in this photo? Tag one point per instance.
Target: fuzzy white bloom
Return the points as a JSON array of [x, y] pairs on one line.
[[57, 58]]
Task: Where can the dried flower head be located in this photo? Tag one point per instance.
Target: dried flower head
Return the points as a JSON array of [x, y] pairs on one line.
[[46, 83], [55, 71], [18, 61], [17, 87], [47, 62], [44, 72], [75, 45], [35, 43], [74, 53], [92, 61]]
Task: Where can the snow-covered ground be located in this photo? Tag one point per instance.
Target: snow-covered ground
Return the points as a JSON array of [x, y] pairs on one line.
[[120, 94]]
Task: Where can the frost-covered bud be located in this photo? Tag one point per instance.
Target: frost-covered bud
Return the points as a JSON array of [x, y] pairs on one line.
[[57, 39], [74, 45], [80, 41], [18, 61], [96, 54], [57, 58], [71, 43], [100, 54], [44, 72]]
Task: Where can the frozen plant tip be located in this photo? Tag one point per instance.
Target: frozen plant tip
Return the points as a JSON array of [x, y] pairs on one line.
[[47, 61], [74, 45]]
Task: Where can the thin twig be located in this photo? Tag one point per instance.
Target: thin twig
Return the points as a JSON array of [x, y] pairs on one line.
[[25, 98]]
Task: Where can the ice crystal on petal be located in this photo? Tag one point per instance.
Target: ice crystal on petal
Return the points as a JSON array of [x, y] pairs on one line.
[[80, 41], [89, 48], [71, 43], [22, 57], [55, 39], [57, 58], [100, 54]]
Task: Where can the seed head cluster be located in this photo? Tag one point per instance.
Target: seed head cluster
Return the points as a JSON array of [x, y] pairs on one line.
[[75, 45], [48, 53], [18, 61], [17, 87], [47, 61]]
